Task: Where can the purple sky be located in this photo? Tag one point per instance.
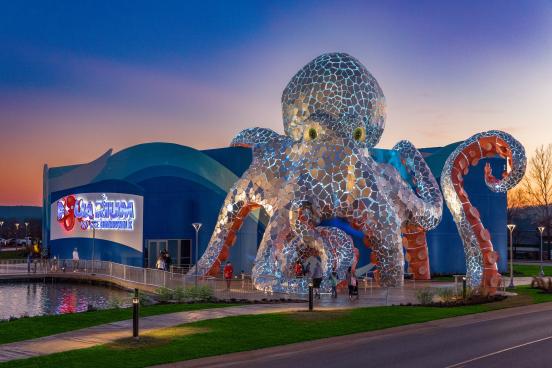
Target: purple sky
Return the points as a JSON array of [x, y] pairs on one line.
[[76, 80]]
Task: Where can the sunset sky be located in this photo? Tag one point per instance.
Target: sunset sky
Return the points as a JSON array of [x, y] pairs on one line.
[[80, 77]]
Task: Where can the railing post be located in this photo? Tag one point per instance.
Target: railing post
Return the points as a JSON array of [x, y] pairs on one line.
[[164, 279], [145, 275], [110, 269], [124, 272]]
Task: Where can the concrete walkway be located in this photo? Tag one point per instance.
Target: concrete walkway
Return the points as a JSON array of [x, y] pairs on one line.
[[109, 332]]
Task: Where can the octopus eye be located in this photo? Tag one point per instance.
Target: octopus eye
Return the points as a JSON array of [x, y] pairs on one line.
[[359, 134], [312, 133]]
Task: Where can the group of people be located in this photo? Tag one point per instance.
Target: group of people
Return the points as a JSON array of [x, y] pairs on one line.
[[163, 261], [304, 270]]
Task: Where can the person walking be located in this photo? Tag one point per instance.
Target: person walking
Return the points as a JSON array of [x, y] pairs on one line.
[[228, 274], [75, 260], [352, 284], [317, 278]]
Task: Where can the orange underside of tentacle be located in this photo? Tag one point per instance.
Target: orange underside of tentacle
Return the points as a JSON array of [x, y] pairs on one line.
[[485, 147], [415, 244], [231, 238], [244, 145]]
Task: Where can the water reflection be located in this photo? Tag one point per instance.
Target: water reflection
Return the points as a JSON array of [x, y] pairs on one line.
[[33, 299]]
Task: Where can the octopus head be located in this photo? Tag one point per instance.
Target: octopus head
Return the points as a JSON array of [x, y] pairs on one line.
[[334, 96]]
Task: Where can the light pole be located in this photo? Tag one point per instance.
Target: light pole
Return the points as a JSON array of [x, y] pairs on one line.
[[93, 243], [197, 226], [511, 227], [16, 232], [1, 228], [26, 230], [541, 230]]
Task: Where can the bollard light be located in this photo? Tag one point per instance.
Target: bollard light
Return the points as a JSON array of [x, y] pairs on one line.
[[311, 299], [135, 315], [541, 230], [464, 287]]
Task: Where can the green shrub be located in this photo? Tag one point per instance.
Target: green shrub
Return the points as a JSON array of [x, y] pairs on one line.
[[179, 294], [164, 294], [425, 296], [115, 303], [446, 294], [198, 293], [205, 293]]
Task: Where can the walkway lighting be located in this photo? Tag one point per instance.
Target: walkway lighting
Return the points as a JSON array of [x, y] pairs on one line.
[[135, 315], [511, 227], [197, 226], [541, 230]]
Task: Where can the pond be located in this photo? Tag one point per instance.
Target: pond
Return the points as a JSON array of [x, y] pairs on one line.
[[19, 299]]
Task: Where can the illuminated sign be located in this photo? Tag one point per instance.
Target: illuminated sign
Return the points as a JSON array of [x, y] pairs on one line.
[[102, 214]]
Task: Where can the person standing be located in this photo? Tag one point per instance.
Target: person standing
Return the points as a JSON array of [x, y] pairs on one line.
[[333, 279], [352, 283], [317, 278], [160, 264], [75, 260], [298, 269], [228, 274], [168, 261]]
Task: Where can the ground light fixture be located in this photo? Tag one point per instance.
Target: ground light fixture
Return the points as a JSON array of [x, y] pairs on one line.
[[464, 289], [197, 226], [136, 315], [541, 230], [511, 227]]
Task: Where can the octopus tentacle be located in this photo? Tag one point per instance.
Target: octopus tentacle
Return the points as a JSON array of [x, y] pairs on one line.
[[417, 254], [336, 251], [385, 237], [238, 204], [247, 194], [268, 262], [481, 267], [255, 136], [428, 210]]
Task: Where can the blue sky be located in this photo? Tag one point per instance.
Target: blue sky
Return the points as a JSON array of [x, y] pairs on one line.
[[113, 74]]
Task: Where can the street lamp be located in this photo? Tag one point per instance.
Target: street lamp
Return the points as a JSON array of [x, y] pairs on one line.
[[1, 227], [93, 244], [511, 227], [26, 230], [197, 226], [541, 230], [16, 233]]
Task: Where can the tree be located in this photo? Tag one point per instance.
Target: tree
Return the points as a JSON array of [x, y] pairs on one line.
[[538, 186], [518, 202]]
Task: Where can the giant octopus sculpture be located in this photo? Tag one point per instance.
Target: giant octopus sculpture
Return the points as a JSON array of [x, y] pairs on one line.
[[322, 169]]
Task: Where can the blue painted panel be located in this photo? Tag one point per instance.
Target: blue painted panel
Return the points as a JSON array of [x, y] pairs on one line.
[[103, 249]]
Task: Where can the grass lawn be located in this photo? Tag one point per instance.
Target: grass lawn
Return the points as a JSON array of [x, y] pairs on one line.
[[529, 270], [33, 327], [233, 334]]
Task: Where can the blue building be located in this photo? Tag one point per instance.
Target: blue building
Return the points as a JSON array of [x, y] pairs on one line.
[[128, 206]]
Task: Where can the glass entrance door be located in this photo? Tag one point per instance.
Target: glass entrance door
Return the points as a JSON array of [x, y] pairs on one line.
[[154, 249], [180, 251]]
